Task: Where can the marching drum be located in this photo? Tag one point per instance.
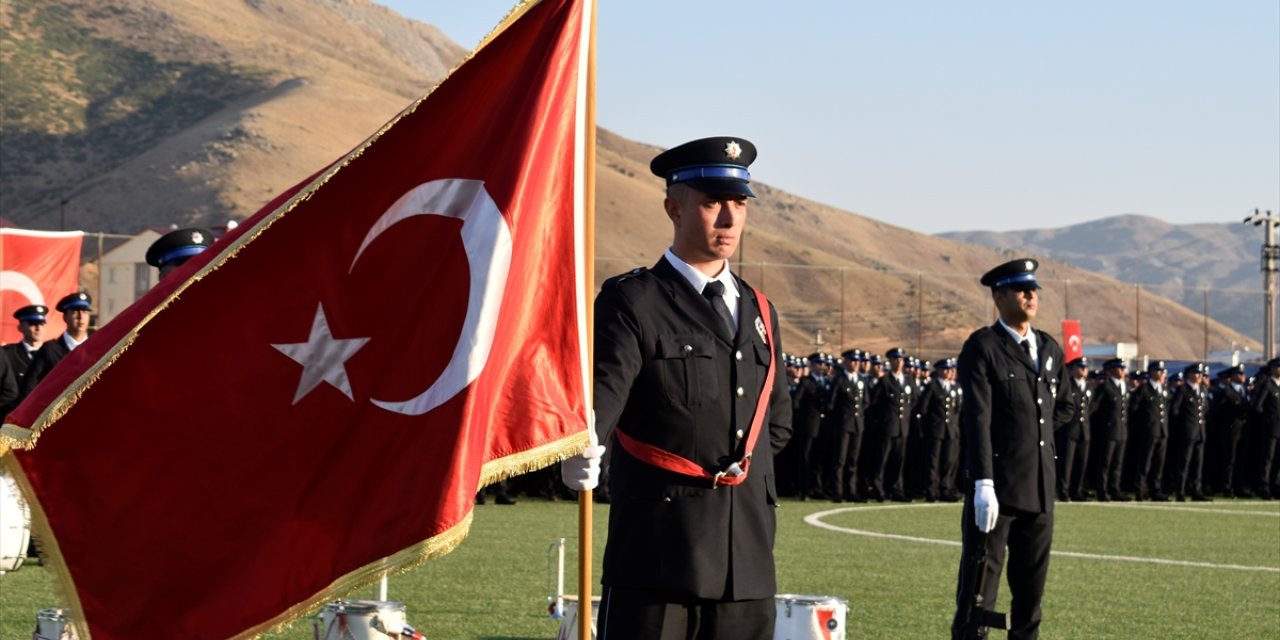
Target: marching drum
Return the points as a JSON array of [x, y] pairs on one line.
[[810, 617], [51, 624], [361, 620], [15, 525], [569, 627]]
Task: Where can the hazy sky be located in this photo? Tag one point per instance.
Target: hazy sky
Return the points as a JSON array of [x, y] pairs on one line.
[[938, 115]]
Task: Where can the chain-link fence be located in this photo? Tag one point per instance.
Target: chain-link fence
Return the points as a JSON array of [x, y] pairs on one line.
[[829, 308]]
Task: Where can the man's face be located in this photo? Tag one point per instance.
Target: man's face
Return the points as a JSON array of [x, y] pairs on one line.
[[707, 227], [1016, 306], [32, 332], [1158, 376], [1238, 377], [1193, 378], [896, 365], [77, 320], [1079, 373], [1116, 372]]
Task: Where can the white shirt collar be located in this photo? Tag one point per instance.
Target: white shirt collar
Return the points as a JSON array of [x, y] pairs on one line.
[[71, 342], [698, 280]]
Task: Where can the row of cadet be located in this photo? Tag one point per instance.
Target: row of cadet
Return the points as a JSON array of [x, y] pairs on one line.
[[888, 428]]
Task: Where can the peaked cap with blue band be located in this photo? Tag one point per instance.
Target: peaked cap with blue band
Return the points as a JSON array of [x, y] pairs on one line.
[[176, 246], [73, 301], [1017, 274], [32, 314], [717, 166]]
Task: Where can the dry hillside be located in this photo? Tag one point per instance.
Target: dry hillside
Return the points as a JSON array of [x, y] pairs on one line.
[[139, 113]]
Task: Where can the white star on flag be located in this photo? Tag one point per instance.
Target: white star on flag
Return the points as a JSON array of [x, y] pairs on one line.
[[323, 358]]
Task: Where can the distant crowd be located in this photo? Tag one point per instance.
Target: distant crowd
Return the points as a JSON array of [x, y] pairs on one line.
[[872, 427]]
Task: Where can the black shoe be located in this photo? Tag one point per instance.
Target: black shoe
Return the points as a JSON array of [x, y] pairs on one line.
[[1082, 497], [951, 497], [503, 498], [1228, 493], [855, 498], [1103, 497], [479, 498], [1121, 497], [837, 499], [1200, 497], [1063, 497], [1159, 497], [1181, 498], [898, 497]]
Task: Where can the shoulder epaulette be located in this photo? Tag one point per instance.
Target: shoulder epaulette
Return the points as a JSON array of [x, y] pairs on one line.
[[614, 281]]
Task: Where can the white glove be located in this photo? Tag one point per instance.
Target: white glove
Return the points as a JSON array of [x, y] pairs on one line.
[[582, 473], [985, 507]]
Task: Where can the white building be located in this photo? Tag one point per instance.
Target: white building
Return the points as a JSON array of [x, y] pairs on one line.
[[124, 275]]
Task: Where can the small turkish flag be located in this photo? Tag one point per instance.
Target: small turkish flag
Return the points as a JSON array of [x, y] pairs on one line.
[[315, 400], [36, 267], [1073, 344]]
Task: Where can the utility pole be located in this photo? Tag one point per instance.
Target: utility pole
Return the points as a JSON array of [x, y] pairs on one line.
[[1270, 254]]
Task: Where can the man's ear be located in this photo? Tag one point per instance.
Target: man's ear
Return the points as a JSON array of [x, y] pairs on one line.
[[672, 207]]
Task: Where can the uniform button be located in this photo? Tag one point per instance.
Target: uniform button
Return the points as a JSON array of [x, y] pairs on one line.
[[1042, 443], [739, 434], [740, 392], [688, 348], [737, 355], [1039, 400], [1041, 420]]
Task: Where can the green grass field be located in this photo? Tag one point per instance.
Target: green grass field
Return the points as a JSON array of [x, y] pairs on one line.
[[1223, 580]]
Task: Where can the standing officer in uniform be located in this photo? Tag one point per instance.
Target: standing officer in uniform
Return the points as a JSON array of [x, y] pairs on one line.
[[1110, 431], [939, 408], [1071, 434], [848, 401], [889, 415], [1012, 376], [1266, 431], [1228, 413], [815, 402], [685, 360], [76, 308], [1187, 413], [1149, 434], [31, 321], [173, 249]]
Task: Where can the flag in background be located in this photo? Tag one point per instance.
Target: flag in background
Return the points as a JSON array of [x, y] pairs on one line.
[[36, 267], [338, 375], [1073, 344]]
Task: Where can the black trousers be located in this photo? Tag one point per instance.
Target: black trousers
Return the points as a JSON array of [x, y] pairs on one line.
[[1188, 458], [1073, 461], [842, 473], [940, 460], [1110, 455], [1149, 465], [1027, 536], [637, 614], [891, 453]]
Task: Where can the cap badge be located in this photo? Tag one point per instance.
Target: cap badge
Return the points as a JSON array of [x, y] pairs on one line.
[[197, 237], [733, 150], [1028, 265]]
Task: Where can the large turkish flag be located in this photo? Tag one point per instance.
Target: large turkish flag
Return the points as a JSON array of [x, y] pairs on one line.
[[316, 399], [36, 267]]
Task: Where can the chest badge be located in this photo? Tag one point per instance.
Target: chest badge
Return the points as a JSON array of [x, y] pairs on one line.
[[760, 328]]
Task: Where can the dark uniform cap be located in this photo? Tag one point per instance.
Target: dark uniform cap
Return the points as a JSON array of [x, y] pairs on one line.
[[876, 360], [1233, 370], [717, 166], [1114, 363], [176, 246], [895, 352], [910, 363], [1017, 274], [1273, 363], [1155, 365], [77, 300], [945, 363], [32, 313], [851, 355], [815, 357], [1079, 362], [1196, 367]]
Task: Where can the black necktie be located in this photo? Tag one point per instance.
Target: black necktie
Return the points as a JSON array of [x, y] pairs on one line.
[[1026, 347], [714, 292]]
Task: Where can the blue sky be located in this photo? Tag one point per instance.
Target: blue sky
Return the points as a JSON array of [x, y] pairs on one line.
[[938, 115]]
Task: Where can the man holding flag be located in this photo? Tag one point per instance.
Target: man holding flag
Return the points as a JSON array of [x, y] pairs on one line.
[[687, 398]]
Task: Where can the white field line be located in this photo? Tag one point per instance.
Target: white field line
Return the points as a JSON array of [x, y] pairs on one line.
[[815, 519]]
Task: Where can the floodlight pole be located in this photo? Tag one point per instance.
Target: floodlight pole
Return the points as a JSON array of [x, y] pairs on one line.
[[1270, 256]]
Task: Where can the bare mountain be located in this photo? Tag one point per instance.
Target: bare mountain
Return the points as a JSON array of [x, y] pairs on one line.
[[1177, 261], [140, 113]]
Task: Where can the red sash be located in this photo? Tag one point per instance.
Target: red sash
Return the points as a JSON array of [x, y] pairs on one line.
[[735, 473]]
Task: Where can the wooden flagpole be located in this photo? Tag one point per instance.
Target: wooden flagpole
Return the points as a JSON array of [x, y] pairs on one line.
[[589, 272]]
